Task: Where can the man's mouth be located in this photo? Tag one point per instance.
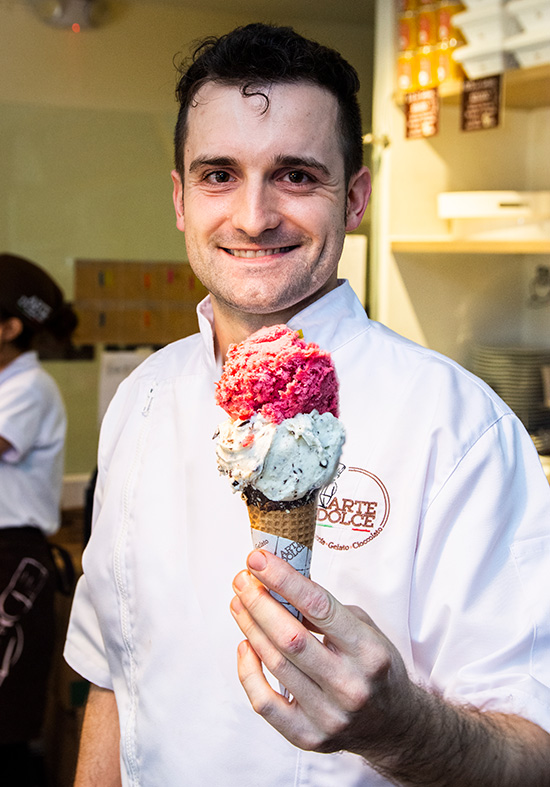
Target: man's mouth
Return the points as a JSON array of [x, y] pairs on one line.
[[251, 254]]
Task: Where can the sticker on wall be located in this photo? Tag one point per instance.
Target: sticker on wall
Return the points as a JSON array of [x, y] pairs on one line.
[[480, 107]]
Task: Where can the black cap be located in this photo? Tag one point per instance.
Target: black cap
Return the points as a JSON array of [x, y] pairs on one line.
[[28, 292]]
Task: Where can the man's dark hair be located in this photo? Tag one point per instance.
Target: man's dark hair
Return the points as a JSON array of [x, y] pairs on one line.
[[259, 55]]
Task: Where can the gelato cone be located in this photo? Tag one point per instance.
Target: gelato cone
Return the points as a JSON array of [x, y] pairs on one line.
[[287, 532], [295, 524], [282, 441]]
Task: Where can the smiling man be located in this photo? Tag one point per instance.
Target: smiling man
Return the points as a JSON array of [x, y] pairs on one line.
[[264, 201], [423, 658]]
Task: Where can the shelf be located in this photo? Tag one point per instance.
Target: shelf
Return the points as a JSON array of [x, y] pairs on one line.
[[527, 88], [524, 88], [459, 246]]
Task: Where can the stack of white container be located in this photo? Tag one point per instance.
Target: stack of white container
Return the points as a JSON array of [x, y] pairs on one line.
[[502, 34], [531, 47]]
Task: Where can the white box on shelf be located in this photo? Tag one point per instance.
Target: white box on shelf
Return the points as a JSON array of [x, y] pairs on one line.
[[493, 204], [531, 14], [486, 25], [484, 61], [530, 48], [481, 3], [498, 215]]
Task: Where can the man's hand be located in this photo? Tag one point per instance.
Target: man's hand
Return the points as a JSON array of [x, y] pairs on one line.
[[339, 685], [350, 691]]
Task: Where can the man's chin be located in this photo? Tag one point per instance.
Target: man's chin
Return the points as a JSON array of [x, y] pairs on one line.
[[280, 300], [275, 311]]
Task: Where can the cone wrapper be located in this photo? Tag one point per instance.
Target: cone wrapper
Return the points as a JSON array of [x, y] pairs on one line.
[[289, 534]]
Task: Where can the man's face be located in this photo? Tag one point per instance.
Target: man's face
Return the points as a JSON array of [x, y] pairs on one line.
[[264, 204]]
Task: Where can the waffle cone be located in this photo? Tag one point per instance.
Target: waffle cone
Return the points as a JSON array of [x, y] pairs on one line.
[[296, 524]]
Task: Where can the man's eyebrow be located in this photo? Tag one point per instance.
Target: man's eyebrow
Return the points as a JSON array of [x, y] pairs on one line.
[[299, 162], [296, 162], [218, 162]]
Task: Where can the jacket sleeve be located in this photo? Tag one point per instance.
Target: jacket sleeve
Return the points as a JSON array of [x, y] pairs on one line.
[[84, 647], [22, 408], [480, 609]]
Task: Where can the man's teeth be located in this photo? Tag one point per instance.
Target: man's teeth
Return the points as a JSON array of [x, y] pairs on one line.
[[252, 254]]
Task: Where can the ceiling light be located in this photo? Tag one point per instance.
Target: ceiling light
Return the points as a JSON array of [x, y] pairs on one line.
[[71, 13]]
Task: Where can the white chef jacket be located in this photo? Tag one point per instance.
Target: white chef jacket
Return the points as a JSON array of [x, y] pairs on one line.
[[437, 525], [32, 419]]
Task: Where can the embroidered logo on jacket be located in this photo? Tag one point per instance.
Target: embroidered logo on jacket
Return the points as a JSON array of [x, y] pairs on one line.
[[352, 519]]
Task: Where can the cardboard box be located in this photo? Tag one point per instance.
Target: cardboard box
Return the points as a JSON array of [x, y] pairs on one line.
[[128, 280], [132, 324], [134, 303]]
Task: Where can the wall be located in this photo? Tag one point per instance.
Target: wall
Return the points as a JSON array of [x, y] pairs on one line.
[[86, 124], [451, 302], [536, 321]]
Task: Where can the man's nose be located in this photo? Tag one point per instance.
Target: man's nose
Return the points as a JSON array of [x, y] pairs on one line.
[[256, 208]]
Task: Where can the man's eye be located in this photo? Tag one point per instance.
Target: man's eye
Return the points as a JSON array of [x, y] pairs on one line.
[[219, 176], [297, 176]]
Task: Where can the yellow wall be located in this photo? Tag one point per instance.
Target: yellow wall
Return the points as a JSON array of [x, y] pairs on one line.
[[86, 124]]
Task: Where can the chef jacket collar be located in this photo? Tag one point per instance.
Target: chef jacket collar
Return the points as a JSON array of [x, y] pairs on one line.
[[205, 316], [333, 320], [330, 322]]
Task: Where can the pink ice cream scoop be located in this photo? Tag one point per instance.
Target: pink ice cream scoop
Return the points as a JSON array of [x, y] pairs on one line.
[[277, 374]]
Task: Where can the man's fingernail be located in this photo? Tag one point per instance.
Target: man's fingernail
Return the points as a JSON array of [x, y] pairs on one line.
[[236, 605], [241, 580], [242, 649], [257, 560]]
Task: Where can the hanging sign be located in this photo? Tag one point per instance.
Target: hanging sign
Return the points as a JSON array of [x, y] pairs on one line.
[[422, 113], [480, 103]]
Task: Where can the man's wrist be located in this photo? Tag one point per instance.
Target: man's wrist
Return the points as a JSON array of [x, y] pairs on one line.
[[451, 745]]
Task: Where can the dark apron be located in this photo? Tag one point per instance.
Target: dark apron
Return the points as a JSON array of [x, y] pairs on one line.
[[27, 587]]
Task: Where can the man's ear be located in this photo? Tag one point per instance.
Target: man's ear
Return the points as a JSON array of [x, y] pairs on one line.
[[177, 196], [11, 329], [359, 190]]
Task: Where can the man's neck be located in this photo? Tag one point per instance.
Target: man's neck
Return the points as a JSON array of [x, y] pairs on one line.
[[233, 331], [232, 326]]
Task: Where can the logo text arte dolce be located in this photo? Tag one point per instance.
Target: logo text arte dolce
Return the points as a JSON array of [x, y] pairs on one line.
[[354, 518]]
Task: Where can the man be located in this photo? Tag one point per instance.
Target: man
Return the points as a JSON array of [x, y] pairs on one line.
[[437, 671]]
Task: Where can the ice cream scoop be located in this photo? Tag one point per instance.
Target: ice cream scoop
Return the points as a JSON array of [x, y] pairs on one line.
[[283, 461], [277, 374]]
